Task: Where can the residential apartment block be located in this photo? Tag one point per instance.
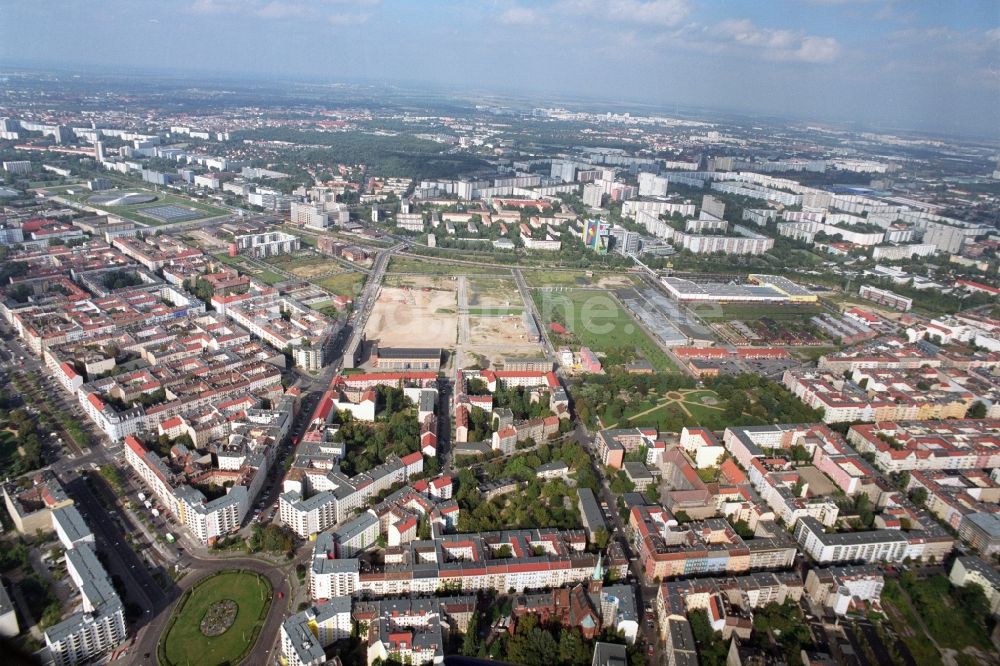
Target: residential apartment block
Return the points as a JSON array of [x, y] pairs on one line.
[[930, 445]]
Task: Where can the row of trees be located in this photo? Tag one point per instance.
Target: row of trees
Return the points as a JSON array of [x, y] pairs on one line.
[[20, 444], [755, 400], [273, 538], [537, 504], [746, 399], [368, 445], [49, 416], [597, 394], [518, 400]]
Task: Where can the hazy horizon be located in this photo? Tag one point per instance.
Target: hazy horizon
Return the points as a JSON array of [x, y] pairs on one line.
[[876, 63]]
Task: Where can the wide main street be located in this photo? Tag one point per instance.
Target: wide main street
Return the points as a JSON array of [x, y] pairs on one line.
[[155, 577], [155, 603]]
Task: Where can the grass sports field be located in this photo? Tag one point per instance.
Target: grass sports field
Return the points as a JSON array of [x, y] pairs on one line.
[[134, 212], [597, 321], [184, 643]]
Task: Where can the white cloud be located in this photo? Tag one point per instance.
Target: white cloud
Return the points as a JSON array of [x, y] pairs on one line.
[[280, 10], [817, 49], [519, 16], [650, 12], [332, 10], [214, 6], [934, 41], [777, 44], [968, 59], [348, 18], [743, 31]]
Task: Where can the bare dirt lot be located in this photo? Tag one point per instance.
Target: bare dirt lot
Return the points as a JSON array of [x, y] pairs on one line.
[[207, 241], [408, 317], [491, 293], [495, 331], [615, 281], [819, 484], [497, 339], [307, 271]]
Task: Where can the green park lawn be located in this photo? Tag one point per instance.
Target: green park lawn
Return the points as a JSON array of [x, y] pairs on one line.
[[597, 320], [184, 644], [342, 284], [696, 406], [8, 449], [812, 353]]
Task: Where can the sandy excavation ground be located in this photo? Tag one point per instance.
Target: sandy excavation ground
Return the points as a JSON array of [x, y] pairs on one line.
[[496, 331], [615, 281], [498, 339], [404, 317], [207, 241], [486, 293]]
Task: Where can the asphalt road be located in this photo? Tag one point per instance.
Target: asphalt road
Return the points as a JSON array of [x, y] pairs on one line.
[[265, 651], [113, 547], [153, 602], [365, 300], [157, 604], [646, 591]]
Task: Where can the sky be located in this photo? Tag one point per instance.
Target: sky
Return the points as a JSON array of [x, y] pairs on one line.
[[929, 65]]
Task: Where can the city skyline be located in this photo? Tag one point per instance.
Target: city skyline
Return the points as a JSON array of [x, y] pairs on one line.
[[880, 64], [554, 333]]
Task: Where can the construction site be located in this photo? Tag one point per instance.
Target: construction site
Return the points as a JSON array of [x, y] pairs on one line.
[[414, 317]]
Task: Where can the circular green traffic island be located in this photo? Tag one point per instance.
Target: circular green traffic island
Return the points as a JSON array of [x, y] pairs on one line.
[[217, 621]]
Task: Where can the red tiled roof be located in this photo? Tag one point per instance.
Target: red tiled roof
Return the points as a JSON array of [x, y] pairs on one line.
[[411, 458], [441, 482], [732, 472], [977, 285], [172, 422]]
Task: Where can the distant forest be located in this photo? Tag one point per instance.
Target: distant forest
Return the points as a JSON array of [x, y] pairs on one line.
[[392, 156]]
